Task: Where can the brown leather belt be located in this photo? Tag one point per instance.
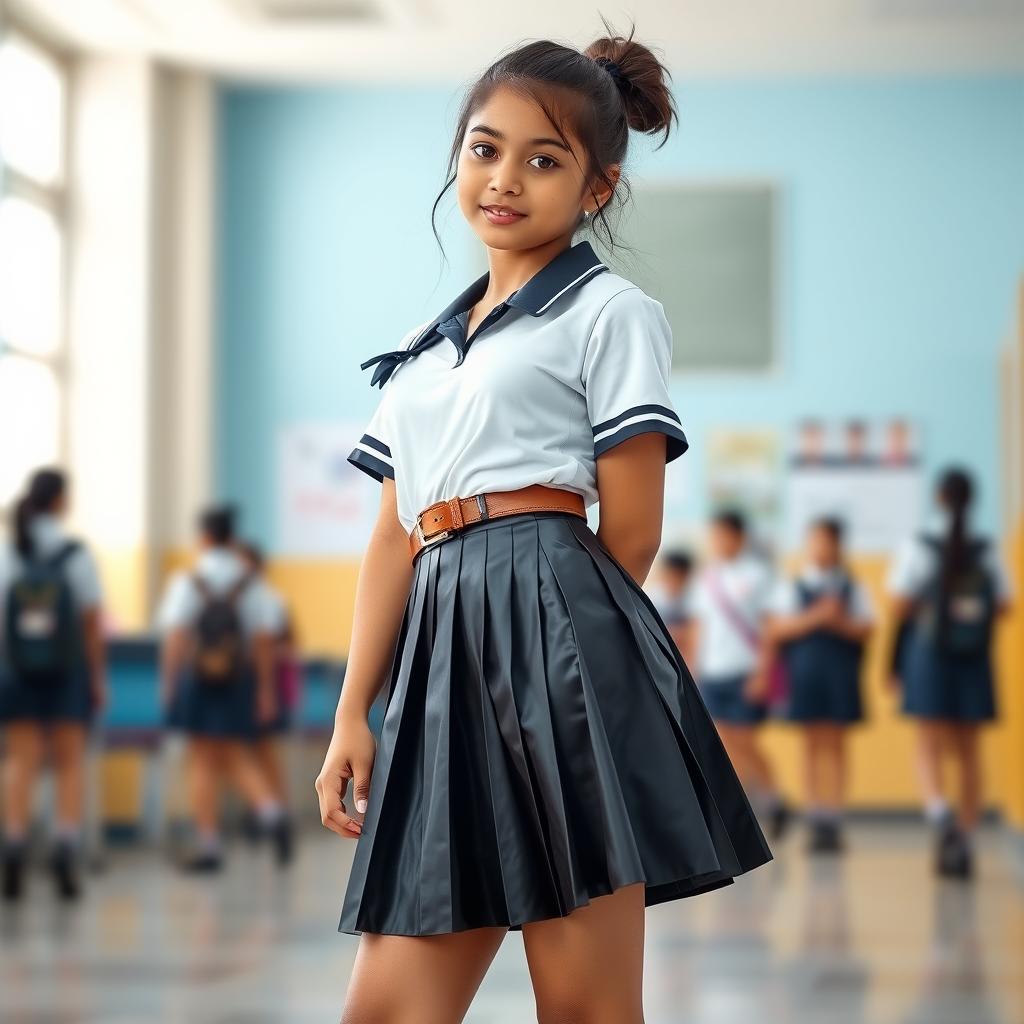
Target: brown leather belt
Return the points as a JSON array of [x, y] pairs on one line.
[[445, 518]]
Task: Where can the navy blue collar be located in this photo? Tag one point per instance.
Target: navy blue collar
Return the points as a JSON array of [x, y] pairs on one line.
[[568, 270]]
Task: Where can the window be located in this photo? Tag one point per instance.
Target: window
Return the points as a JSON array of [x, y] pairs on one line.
[[33, 98]]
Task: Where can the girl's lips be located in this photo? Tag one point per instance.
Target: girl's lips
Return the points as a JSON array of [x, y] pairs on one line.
[[501, 218]]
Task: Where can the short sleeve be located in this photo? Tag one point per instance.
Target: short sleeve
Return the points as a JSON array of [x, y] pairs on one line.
[[84, 577], [626, 371], [909, 568], [372, 453], [861, 606], [179, 604], [782, 599]]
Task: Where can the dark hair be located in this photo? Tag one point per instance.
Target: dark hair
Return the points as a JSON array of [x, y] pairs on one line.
[[832, 525], [732, 519], [252, 551], [954, 490], [218, 523], [573, 88], [45, 488]]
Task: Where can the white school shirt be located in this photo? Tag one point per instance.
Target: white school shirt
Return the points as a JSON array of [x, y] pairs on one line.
[[48, 536], [220, 569], [747, 581], [915, 563], [785, 600], [571, 364]]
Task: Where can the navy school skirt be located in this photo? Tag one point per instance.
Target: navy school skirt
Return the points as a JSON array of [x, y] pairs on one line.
[[217, 711], [63, 698], [543, 743], [945, 686]]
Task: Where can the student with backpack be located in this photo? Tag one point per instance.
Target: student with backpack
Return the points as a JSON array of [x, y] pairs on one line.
[[52, 676], [820, 622], [948, 587], [733, 659], [218, 625]]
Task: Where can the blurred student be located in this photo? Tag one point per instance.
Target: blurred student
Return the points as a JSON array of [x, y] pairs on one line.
[[52, 675], [730, 597], [668, 587], [217, 683], [286, 679], [948, 587], [821, 620]]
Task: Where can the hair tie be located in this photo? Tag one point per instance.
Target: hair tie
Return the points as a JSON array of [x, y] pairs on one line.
[[614, 70]]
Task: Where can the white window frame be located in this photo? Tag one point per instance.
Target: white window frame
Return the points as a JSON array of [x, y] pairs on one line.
[[52, 197]]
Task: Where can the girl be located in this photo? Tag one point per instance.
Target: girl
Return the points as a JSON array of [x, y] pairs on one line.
[[949, 587], [730, 598], [217, 684], [821, 621], [52, 674], [545, 762]]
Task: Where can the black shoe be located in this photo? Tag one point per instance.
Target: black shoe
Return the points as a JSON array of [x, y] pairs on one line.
[[281, 834], [202, 864], [13, 874], [250, 828], [954, 858], [825, 838], [64, 866], [779, 818]]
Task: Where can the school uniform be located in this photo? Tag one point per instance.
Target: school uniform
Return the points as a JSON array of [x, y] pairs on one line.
[[730, 597], [282, 720], [938, 684], [223, 710], [673, 606], [823, 669], [66, 697], [543, 743]]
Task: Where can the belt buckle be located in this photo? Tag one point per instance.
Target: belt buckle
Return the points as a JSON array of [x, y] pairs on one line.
[[434, 537]]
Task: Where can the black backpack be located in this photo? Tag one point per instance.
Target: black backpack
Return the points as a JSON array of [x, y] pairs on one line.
[[41, 626], [220, 651], [962, 621]]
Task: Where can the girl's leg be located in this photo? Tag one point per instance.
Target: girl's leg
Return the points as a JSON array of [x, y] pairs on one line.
[[429, 979], [248, 775], [965, 746], [204, 779], [832, 762], [812, 767], [68, 744], [22, 757], [268, 756], [931, 734], [587, 968]]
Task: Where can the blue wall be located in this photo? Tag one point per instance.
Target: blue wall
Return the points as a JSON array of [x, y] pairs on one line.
[[902, 243]]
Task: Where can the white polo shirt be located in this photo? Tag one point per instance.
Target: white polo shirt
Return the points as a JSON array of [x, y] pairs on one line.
[[785, 599], [571, 364], [723, 648]]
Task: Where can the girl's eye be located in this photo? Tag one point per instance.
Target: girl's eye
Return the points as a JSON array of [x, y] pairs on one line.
[[551, 163], [477, 145]]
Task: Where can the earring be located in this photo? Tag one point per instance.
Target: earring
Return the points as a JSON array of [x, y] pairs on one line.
[[586, 214]]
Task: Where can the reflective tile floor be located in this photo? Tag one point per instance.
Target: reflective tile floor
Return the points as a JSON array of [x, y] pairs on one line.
[[871, 937]]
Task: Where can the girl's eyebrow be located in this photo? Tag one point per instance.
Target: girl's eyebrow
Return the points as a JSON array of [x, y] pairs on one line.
[[533, 142]]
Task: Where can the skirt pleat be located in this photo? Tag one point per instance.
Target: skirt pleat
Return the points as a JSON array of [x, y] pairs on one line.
[[543, 743]]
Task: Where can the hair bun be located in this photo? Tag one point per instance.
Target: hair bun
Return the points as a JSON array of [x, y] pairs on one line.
[[642, 81]]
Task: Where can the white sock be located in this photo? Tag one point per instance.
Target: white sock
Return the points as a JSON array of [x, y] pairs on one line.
[[68, 833], [270, 813], [208, 842], [936, 810]]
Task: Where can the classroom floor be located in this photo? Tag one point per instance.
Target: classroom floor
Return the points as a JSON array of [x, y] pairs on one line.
[[872, 937]]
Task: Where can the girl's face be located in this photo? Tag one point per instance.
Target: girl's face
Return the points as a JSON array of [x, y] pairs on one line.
[[512, 157]]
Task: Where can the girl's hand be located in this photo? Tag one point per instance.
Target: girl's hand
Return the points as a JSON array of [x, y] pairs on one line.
[[266, 705], [756, 687], [350, 756]]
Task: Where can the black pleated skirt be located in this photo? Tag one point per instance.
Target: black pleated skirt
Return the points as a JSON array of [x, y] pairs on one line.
[[543, 743]]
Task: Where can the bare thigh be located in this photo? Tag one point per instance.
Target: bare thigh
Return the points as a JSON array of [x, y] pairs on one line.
[[423, 979], [587, 968]]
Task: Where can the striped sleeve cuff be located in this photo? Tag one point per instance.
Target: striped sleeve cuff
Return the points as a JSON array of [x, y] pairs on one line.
[[373, 457], [642, 419]]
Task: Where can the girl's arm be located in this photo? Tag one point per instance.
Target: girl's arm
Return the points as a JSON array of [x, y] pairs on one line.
[[382, 588], [631, 490], [95, 654]]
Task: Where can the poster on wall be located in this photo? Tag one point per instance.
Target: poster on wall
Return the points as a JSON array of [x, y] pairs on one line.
[[743, 474], [326, 507], [866, 473]]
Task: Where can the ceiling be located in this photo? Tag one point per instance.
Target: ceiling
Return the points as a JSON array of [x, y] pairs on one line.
[[401, 40]]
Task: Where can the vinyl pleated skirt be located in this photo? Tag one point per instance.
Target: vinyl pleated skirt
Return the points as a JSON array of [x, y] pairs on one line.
[[64, 697], [543, 743]]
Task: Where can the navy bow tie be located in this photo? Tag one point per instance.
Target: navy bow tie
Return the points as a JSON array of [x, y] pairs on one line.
[[390, 361]]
